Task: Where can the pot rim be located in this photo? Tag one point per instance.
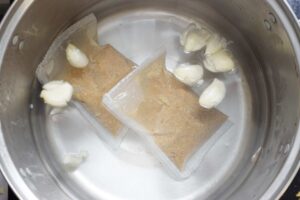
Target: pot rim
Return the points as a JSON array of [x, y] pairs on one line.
[[8, 169], [275, 190], [292, 164]]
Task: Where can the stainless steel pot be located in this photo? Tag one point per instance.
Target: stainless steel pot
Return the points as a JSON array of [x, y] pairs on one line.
[[266, 154]]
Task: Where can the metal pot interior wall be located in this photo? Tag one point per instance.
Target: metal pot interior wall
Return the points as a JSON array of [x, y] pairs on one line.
[[267, 45]]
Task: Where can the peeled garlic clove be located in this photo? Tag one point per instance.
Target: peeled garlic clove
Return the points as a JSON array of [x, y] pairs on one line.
[[190, 28], [76, 57], [57, 93], [210, 65], [194, 39], [189, 74], [215, 43], [220, 61], [73, 161], [213, 95]]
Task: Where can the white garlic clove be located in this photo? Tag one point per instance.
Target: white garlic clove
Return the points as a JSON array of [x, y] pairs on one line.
[[189, 74], [184, 34], [190, 28], [210, 65], [220, 61], [214, 44], [57, 93], [76, 57], [194, 38], [73, 161], [213, 95]]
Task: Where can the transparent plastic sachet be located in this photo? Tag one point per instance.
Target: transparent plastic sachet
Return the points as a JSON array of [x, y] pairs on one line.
[[167, 115], [105, 69]]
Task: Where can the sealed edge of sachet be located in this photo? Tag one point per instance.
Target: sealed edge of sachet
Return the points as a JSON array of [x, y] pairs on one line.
[[196, 158], [98, 127], [42, 73], [193, 160], [45, 71]]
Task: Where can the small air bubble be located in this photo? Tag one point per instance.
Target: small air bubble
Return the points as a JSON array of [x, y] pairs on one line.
[[272, 18], [13, 123], [21, 45], [56, 111], [121, 96], [15, 40], [50, 67], [287, 149], [31, 106], [22, 172], [28, 171], [281, 148], [256, 155], [268, 25]]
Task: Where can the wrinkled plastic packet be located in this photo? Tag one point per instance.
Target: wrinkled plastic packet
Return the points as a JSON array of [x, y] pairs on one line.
[[167, 115], [105, 69]]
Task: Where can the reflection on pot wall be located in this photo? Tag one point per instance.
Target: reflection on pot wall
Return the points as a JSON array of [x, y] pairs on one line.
[[269, 42]]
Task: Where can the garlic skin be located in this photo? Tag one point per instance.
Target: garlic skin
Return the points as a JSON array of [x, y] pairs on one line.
[[214, 44], [213, 95], [57, 93], [189, 74], [220, 61], [194, 38], [76, 57]]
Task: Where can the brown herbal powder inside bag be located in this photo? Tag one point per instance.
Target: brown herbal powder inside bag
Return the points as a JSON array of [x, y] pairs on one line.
[[172, 114], [106, 68]]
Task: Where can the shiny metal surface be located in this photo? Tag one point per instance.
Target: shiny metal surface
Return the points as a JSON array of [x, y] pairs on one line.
[[138, 33], [254, 160], [3, 188]]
